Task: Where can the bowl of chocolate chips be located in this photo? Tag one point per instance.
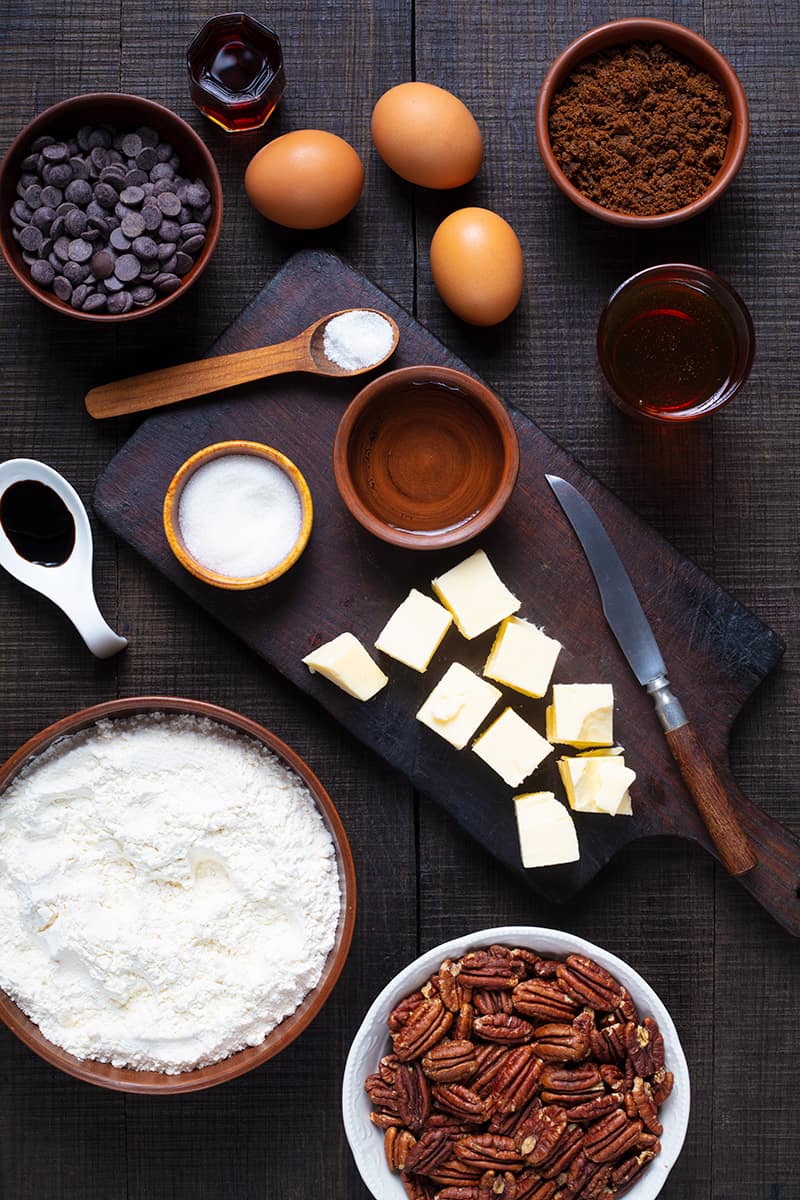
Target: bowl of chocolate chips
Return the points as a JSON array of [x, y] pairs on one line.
[[110, 207]]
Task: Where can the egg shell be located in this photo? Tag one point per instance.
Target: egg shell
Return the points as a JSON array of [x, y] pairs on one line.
[[305, 180], [427, 135], [476, 262]]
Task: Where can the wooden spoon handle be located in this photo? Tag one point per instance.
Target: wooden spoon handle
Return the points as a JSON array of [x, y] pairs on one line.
[[188, 380], [712, 798]]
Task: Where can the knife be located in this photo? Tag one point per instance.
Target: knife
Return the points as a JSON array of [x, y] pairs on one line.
[[632, 630]]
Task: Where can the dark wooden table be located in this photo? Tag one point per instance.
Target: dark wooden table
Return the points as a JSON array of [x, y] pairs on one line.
[[724, 491]]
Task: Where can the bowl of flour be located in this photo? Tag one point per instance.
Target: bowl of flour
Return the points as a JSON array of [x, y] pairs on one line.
[[177, 895]]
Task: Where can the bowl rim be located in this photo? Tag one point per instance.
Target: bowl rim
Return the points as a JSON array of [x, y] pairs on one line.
[[172, 502], [58, 113], [365, 1144], [453, 378], [126, 1079], [684, 41]]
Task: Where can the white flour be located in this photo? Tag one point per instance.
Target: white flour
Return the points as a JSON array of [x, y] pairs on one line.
[[168, 892]]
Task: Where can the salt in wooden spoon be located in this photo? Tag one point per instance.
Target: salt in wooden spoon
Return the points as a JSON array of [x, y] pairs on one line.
[[305, 352]]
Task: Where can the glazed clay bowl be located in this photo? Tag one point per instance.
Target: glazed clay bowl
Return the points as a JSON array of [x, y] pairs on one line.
[[122, 112], [372, 1041], [171, 512], [692, 47], [425, 457], [153, 1082]]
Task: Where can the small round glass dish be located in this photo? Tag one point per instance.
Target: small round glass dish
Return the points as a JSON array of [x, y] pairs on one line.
[[241, 524], [675, 343]]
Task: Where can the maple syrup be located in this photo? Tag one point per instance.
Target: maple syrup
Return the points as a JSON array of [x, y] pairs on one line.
[[236, 71], [675, 342], [38, 523]]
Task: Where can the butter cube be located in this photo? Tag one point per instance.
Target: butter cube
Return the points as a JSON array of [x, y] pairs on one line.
[[458, 704], [522, 657], [414, 631], [347, 664], [597, 784], [582, 714], [546, 832], [475, 595], [512, 748]]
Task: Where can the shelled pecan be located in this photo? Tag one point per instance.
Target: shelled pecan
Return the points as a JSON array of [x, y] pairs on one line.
[[516, 1077]]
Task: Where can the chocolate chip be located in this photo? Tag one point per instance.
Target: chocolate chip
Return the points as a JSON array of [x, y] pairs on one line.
[[94, 302], [79, 294], [75, 272], [100, 224], [102, 264], [80, 250], [75, 223], [51, 196], [119, 303], [169, 204], [79, 168], [193, 245], [61, 248], [62, 287], [146, 159], [132, 225], [151, 215], [131, 145], [105, 195], [114, 176], [165, 251], [193, 229], [97, 138], [132, 195], [197, 194], [143, 295], [42, 273], [136, 178], [43, 140], [43, 218], [145, 247], [127, 268], [112, 284], [99, 157], [119, 241], [78, 192], [58, 175], [56, 152], [162, 170], [166, 283]]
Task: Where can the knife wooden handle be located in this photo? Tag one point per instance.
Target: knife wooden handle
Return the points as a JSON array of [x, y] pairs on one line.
[[711, 796]]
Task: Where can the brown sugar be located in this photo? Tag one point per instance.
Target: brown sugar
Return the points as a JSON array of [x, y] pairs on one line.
[[639, 129]]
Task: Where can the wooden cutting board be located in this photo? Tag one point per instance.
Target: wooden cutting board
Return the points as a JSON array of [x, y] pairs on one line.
[[716, 651]]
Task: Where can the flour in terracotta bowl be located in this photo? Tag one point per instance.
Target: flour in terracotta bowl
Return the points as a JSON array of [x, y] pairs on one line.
[[169, 892]]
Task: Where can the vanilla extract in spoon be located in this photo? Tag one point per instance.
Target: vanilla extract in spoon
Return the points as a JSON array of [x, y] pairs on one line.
[[38, 523]]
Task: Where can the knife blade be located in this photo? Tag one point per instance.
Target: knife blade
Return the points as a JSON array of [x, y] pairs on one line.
[[631, 628]]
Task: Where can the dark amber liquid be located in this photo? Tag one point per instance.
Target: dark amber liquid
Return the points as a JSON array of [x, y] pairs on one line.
[[38, 523], [669, 347], [236, 72]]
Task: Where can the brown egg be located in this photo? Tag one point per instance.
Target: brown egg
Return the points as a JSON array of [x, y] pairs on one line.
[[476, 262], [427, 135], [305, 180]]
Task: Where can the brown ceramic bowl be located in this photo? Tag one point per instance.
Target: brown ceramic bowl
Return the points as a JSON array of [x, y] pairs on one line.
[[153, 1082], [171, 510], [425, 457], [123, 112], [693, 47]]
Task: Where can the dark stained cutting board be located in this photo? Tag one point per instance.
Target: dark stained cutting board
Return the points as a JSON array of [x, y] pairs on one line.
[[716, 651]]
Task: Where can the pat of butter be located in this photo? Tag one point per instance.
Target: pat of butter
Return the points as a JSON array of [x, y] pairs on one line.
[[597, 784], [458, 704], [347, 664], [546, 831], [414, 631], [522, 657], [512, 747], [582, 714], [475, 595]]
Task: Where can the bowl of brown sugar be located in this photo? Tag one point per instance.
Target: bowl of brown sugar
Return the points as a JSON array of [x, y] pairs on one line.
[[641, 122]]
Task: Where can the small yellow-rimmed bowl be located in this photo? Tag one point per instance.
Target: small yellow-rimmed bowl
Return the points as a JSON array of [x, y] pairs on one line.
[[172, 527]]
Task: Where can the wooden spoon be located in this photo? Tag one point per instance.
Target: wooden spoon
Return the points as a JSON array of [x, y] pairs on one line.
[[305, 352]]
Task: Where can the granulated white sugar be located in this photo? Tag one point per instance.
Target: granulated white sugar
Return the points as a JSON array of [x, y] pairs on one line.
[[168, 892], [357, 339], [239, 515]]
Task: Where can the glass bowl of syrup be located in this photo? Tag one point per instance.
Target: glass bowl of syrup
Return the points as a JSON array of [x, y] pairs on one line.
[[236, 72], [675, 342]]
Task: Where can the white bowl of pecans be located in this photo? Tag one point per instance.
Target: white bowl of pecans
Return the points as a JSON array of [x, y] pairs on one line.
[[521, 1063]]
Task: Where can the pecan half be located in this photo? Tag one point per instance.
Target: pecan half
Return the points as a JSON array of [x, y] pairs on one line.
[[661, 1084], [413, 1095], [582, 1172], [490, 1060], [558, 1042], [401, 1012], [429, 1022], [462, 1102], [488, 1151], [645, 1046], [396, 1145], [489, 969], [449, 986], [544, 999], [384, 1120], [416, 1188], [586, 982], [623, 1176], [459, 1191], [608, 1044], [537, 1137], [529, 958], [568, 1147], [547, 968], [508, 1123], [608, 1139], [450, 1061], [463, 1026], [493, 1184], [645, 1105], [381, 1093], [487, 1002], [432, 1149], [570, 1085], [531, 1186], [612, 1077], [593, 1110], [455, 1173], [516, 1081], [506, 1028]]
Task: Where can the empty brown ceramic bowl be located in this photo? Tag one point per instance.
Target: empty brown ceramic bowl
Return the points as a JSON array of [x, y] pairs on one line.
[[692, 47], [125, 1079], [125, 113], [425, 457]]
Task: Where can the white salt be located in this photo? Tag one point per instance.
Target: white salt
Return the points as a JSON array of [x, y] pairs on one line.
[[357, 339], [239, 515]]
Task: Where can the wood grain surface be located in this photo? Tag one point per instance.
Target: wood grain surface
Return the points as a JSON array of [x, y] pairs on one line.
[[724, 492], [716, 651]]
